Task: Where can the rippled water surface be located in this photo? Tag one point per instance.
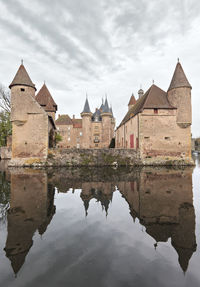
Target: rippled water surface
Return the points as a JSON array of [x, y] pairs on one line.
[[100, 227]]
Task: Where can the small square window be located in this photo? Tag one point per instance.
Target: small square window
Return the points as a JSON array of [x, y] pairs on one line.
[[22, 90], [155, 111]]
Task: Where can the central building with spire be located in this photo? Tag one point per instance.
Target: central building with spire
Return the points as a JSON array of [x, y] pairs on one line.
[[93, 130]]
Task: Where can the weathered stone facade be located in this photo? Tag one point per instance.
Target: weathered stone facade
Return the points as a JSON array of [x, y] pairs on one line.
[[32, 128], [94, 130], [159, 123], [70, 131]]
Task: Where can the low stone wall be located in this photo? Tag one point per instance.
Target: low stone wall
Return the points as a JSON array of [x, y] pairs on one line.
[[93, 157], [98, 157]]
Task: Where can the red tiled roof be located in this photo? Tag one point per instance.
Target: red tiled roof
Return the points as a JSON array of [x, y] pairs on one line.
[[64, 120], [179, 78], [22, 78], [77, 123], [154, 98], [132, 101], [45, 99]]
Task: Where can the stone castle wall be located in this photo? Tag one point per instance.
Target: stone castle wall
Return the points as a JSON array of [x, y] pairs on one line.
[[29, 124]]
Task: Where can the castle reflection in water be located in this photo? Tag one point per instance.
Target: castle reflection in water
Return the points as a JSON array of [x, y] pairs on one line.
[[161, 199]]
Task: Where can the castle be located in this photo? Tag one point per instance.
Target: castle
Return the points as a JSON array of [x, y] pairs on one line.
[[94, 130], [34, 126], [159, 122]]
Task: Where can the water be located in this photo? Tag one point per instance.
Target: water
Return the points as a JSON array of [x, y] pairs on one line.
[[100, 227]]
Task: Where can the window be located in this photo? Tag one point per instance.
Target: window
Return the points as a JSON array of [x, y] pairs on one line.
[[146, 138], [167, 138], [68, 139], [22, 90], [81, 133], [96, 145], [69, 128], [155, 111]]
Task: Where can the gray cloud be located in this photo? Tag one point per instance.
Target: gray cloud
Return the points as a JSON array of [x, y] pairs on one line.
[[105, 46]]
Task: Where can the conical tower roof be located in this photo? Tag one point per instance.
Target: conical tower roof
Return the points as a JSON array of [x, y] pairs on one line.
[[179, 78], [106, 108], [45, 99], [132, 101], [86, 108], [22, 78]]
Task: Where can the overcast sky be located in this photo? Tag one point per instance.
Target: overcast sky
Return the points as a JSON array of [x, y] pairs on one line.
[[101, 47]]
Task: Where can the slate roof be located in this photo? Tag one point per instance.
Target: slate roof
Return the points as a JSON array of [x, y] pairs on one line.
[[22, 78], [64, 120], [86, 108], [97, 114], [45, 99], [179, 79], [106, 108], [102, 106], [132, 101], [154, 98]]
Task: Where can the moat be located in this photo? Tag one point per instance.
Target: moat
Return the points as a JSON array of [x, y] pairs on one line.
[[106, 227]]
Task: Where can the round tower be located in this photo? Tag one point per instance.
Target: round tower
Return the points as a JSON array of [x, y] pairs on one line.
[[20, 86], [86, 125], [179, 96], [106, 125]]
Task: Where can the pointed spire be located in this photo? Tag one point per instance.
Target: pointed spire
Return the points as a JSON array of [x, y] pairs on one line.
[[86, 108], [45, 99], [132, 100], [102, 105], [22, 78], [106, 107], [179, 78]]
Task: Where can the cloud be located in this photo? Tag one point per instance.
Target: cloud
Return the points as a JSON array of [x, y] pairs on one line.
[[99, 47]]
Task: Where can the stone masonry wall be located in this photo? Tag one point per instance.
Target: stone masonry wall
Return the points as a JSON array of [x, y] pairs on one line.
[[93, 157]]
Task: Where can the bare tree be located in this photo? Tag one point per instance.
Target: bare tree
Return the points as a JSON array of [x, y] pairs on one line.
[[4, 99]]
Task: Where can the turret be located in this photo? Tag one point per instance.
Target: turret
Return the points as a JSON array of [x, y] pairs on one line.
[[86, 125], [132, 102], [20, 86], [30, 123], [140, 93], [106, 125], [179, 96], [45, 99]]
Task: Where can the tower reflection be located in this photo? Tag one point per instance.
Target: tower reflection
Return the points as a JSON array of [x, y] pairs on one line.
[[31, 209], [162, 200]]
